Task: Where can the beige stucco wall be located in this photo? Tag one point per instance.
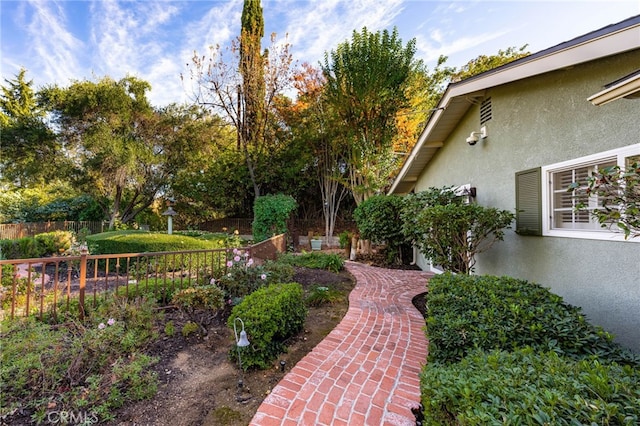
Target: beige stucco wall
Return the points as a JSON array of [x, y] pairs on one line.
[[537, 122]]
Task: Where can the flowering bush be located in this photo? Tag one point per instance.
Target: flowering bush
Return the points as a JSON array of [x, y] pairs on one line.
[[244, 275]]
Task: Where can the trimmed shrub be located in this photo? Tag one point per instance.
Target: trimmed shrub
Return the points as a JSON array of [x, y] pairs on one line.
[[530, 388], [488, 312], [270, 215], [54, 243], [143, 241], [327, 261], [271, 315], [378, 220]]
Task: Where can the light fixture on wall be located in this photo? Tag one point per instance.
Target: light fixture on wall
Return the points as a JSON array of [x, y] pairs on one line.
[[474, 137]]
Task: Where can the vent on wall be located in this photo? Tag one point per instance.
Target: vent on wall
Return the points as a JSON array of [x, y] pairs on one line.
[[485, 111]]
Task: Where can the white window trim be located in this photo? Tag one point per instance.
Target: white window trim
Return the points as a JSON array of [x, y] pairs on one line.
[[547, 171]]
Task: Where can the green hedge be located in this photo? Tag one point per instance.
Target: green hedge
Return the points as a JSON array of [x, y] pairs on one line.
[[506, 351], [143, 241], [271, 315], [41, 245], [270, 215], [467, 312], [528, 387]]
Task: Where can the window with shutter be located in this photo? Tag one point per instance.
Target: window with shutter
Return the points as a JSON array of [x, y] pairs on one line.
[[570, 213]]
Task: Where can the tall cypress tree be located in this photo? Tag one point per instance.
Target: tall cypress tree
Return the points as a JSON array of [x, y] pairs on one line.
[[251, 96]]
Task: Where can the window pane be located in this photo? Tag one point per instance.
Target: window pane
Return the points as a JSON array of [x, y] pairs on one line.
[[565, 212]]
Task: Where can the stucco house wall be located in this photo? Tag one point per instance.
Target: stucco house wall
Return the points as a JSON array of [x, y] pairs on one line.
[[542, 120]]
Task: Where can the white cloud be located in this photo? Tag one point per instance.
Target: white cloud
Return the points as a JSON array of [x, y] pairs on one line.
[[54, 46], [431, 48], [317, 27]]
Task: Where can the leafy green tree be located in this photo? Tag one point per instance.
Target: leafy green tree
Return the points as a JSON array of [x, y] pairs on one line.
[[379, 220], [449, 231], [312, 124], [366, 78], [105, 126], [28, 149], [126, 152], [251, 68], [485, 63]]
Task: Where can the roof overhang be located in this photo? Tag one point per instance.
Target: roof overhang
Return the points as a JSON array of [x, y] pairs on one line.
[[460, 96], [627, 87]]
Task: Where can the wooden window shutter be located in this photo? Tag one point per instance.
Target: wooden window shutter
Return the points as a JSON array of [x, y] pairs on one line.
[[529, 202]]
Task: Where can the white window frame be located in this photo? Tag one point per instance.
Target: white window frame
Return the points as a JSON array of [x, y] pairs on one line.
[[619, 155]]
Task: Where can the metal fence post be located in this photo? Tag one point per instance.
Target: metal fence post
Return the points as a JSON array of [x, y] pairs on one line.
[[83, 280]]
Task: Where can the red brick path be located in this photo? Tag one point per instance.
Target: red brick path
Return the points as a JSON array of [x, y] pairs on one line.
[[365, 372]]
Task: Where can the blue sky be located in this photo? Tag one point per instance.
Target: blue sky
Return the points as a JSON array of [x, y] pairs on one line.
[[61, 41]]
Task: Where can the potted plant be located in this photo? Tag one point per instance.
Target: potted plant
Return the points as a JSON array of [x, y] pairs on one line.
[[316, 242]]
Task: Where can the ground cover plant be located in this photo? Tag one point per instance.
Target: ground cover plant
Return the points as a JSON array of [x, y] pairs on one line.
[[183, 367], [503, 350], [316, 260], [90, 368]]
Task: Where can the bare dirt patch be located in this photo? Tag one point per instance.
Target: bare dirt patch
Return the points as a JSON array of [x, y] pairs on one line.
[[199, 383]]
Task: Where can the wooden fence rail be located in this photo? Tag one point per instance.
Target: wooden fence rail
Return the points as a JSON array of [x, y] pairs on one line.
[[45, 285], [13, 231]]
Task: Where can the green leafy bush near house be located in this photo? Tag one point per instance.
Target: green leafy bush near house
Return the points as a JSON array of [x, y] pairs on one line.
[[488, 312], [507, 351], [41, 245], [328, 261], [529, 387], [271, 315], [379, 220]]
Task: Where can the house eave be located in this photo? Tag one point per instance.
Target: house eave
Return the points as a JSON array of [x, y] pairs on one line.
[[628, 87], [460, 96]]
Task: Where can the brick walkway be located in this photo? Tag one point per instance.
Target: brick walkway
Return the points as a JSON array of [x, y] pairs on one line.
[[365, 372]]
